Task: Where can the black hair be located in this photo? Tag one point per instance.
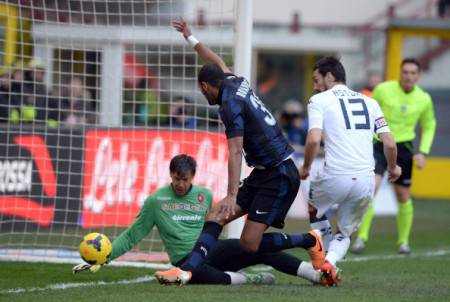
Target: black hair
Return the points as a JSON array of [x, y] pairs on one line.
[[411, 61], [182, 163], [212, 74], [332, 65]]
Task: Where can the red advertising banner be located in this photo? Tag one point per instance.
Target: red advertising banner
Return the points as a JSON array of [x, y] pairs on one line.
[[40, 177], [123, 167]]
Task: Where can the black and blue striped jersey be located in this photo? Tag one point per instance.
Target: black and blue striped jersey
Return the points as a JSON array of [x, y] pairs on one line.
[[243, 114]]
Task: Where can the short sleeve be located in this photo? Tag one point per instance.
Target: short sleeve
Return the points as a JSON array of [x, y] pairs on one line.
[[315, 115], [381, 125], [232, 114]]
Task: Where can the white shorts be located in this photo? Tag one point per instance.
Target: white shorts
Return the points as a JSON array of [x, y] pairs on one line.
[[351, 194]]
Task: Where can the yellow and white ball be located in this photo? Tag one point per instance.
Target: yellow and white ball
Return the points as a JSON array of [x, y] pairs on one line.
[[95, 248]]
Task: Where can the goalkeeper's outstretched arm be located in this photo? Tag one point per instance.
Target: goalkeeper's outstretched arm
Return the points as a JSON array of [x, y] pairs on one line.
[[203, 51], [142, 225]]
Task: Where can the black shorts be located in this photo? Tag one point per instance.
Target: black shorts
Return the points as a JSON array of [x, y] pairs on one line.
[[404, 160], [266, 195]]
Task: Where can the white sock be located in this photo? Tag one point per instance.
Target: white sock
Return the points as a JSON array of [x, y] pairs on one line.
[[338, 248], [306, 271], [327, 233], [237, 278]]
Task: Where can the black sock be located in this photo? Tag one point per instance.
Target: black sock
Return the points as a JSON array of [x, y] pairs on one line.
[[313, 218], [206, 241], [275, 242]]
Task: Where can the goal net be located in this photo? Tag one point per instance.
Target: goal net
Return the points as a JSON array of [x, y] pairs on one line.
[[96, 97]]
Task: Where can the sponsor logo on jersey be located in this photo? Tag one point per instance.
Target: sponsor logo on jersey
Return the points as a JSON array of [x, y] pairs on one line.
[[162, 198], [182, 206], [200, 197], [187, 218]]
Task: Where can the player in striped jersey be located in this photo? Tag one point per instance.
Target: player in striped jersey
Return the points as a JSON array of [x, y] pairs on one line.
[[268, 192]]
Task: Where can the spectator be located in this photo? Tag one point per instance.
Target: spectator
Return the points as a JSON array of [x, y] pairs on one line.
[[22, 106], [182, 114], [294, 124], [151, 111], [5, 97], [75, 106], [35, 90]]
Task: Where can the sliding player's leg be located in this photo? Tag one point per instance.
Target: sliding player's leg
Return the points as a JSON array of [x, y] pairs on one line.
[[227, 256], [275, 190]]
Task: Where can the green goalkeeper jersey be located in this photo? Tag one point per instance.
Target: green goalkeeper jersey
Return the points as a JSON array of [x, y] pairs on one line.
[[403, 110], [179, 220]]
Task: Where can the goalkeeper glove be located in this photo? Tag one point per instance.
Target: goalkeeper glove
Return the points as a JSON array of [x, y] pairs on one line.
[[84, 266]]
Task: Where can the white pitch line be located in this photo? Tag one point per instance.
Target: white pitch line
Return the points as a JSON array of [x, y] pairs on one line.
[[258, 268], [39, 259], [397, 256], [58, 286], [265, 268]]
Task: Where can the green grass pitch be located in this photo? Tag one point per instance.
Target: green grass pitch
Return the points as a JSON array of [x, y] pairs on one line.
[[378, 275]]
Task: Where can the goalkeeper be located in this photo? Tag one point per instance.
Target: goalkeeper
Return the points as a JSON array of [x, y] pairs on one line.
[[178, 210]]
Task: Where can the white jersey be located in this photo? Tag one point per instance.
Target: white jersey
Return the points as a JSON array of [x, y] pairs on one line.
[[349, 120]]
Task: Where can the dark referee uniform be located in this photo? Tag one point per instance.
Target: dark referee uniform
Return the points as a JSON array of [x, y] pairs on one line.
[[268, 192]]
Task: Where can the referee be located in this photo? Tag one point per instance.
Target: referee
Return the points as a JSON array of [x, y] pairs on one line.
[[403, 104]]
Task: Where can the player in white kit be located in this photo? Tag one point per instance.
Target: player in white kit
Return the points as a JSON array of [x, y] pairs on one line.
[[347, 121]]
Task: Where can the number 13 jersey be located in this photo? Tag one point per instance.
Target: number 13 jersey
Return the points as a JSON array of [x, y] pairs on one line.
[[348, 120], [243, 114]]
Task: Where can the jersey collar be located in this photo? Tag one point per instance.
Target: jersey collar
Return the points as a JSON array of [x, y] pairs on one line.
[[187, 192], [340, 85], [222, 87], [403, 90]]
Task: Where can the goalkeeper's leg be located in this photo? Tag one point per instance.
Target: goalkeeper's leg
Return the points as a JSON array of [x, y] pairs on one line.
[[207, 274]]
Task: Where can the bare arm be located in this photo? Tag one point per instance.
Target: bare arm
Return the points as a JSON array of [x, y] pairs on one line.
[[311, 149], [203, 51], [227, 205], [390, 153], [235, 146]]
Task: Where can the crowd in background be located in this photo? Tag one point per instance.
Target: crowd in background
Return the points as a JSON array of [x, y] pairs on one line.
[[24, 98]]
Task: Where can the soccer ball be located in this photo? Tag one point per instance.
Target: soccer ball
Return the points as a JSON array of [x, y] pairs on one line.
[[95, 248]]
